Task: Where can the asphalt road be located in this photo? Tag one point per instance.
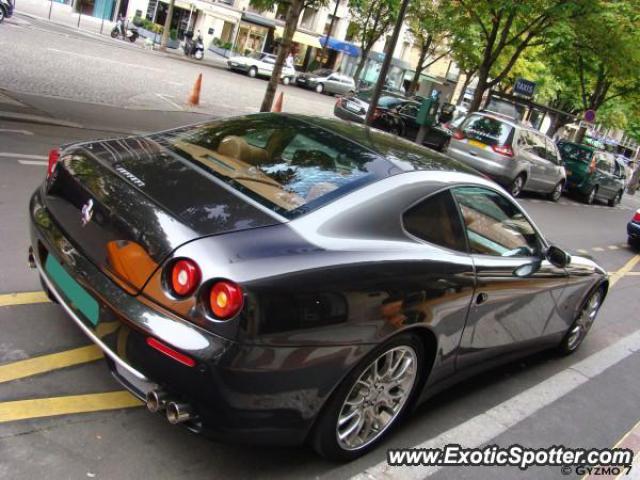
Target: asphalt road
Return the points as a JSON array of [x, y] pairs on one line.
[[63, 416]]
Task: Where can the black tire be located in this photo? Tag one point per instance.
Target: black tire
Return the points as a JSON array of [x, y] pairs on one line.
[[556, 193], [590, 197], [633, 243], [396, 130], [570, 343], [516, 187], [3, 14], [114, 34], [253, 72], [324, 437], [133, 38], [319, 88], [616, 200]]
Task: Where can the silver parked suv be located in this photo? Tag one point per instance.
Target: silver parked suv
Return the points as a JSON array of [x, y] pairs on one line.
[[518, 157]]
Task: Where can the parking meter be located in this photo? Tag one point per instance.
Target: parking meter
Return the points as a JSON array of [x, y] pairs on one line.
[[427, 112]]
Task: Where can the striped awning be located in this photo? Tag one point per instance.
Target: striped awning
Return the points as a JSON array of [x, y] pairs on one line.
[[301, 37]]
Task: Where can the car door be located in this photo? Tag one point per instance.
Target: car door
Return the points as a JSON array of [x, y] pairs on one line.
[[540, 165], [555, 168], [332, 83], [511, 307], [266, 64], [604, 175]]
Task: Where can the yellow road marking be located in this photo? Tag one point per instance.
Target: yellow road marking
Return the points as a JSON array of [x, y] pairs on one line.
[[46, 363], [624, 270], [49, 407], [22, 298]]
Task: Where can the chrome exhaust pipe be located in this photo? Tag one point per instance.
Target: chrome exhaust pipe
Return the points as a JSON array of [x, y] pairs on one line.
[[179, 412], [157, 400], [31, 259]]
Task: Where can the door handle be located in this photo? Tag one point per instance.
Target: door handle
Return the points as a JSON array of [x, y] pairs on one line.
[[481, 298]]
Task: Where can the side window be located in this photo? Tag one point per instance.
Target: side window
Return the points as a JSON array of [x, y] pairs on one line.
[[437, 221], [603, 163], [539, 148], [552, 153], [494, 225]]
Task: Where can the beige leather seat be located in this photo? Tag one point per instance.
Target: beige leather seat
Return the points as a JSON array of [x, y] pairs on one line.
[[238, 148]]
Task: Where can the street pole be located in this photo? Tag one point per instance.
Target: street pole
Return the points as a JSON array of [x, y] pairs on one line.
[[50, 8], [79, 12], [377, 89], [104, 4]]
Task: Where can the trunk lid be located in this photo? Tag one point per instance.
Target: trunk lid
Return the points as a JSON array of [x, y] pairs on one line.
[[127, 204]]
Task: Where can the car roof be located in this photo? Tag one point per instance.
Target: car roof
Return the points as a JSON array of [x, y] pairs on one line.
[[405, 155]]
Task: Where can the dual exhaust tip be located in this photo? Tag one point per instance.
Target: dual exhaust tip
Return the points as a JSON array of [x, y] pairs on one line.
[[176, 413]]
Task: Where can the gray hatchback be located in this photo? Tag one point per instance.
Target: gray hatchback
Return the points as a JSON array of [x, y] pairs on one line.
[[518, 157]]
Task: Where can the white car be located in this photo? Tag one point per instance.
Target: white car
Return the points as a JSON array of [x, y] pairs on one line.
[[261, 66]]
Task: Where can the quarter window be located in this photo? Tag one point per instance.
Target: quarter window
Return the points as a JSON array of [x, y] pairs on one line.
[[494, 225], [437, 221]]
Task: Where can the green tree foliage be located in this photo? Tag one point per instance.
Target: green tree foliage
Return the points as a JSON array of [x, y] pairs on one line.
[[371, 19], [428, 26], [500, 31]]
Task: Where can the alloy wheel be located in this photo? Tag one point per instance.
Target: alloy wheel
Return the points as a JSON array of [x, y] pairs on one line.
[[557, 192], [584, 321], [1, 14], [592, 196], [377, 397], [319, 88], [516, 186]]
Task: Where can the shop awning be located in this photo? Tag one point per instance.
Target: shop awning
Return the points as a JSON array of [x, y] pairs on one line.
[[258, 19], [301, 37], [345, 47]]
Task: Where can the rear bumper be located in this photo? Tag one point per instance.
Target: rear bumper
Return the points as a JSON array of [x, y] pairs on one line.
[[633, 230], [502, 171], [348, 115], [243, 393]]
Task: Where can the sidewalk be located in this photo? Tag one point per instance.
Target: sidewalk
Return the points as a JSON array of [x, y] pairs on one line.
[[64, 15]]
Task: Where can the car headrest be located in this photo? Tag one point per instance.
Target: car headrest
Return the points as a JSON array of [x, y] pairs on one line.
[[238, 148], [311, 158]]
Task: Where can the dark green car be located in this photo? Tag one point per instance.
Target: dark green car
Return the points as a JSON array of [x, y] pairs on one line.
[[592, 173]]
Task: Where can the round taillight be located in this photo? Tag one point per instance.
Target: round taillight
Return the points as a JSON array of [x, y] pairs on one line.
[[225, 299], [185, 277]]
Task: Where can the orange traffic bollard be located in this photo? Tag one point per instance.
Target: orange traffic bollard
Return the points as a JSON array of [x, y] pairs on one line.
[[194, 98], [278, 105]]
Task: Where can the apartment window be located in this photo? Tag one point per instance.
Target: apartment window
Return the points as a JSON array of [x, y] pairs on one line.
[[309, 18], [327, 26]]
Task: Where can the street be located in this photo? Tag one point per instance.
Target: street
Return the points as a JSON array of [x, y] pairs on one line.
[[62, 415]]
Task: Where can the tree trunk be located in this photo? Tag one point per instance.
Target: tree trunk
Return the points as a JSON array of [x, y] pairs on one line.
[[483, 75], [415, 83], [290, 27], [361, 63], [465, 85], [167, 27]]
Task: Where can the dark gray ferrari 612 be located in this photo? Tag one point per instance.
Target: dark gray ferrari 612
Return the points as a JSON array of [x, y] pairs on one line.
[[282, 279]]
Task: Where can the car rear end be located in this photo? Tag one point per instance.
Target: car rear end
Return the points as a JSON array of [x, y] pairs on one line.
[[149, 245], [354, 108], [633, 230], [580, 166], [485, 143]]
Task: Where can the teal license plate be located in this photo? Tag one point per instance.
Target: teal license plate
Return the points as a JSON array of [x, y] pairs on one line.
[[78, 296]]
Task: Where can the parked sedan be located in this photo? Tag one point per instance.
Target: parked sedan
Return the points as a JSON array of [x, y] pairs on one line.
[[518, 157], [261, 66], [327, 81], [354, 107], [594, 174], [280, 279], [633, 231]]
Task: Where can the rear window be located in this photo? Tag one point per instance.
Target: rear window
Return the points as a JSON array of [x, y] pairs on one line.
[[283, 163], [487, 130], [573, 152]]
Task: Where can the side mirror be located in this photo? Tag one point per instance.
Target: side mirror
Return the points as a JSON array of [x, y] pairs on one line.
[[557, 257]]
